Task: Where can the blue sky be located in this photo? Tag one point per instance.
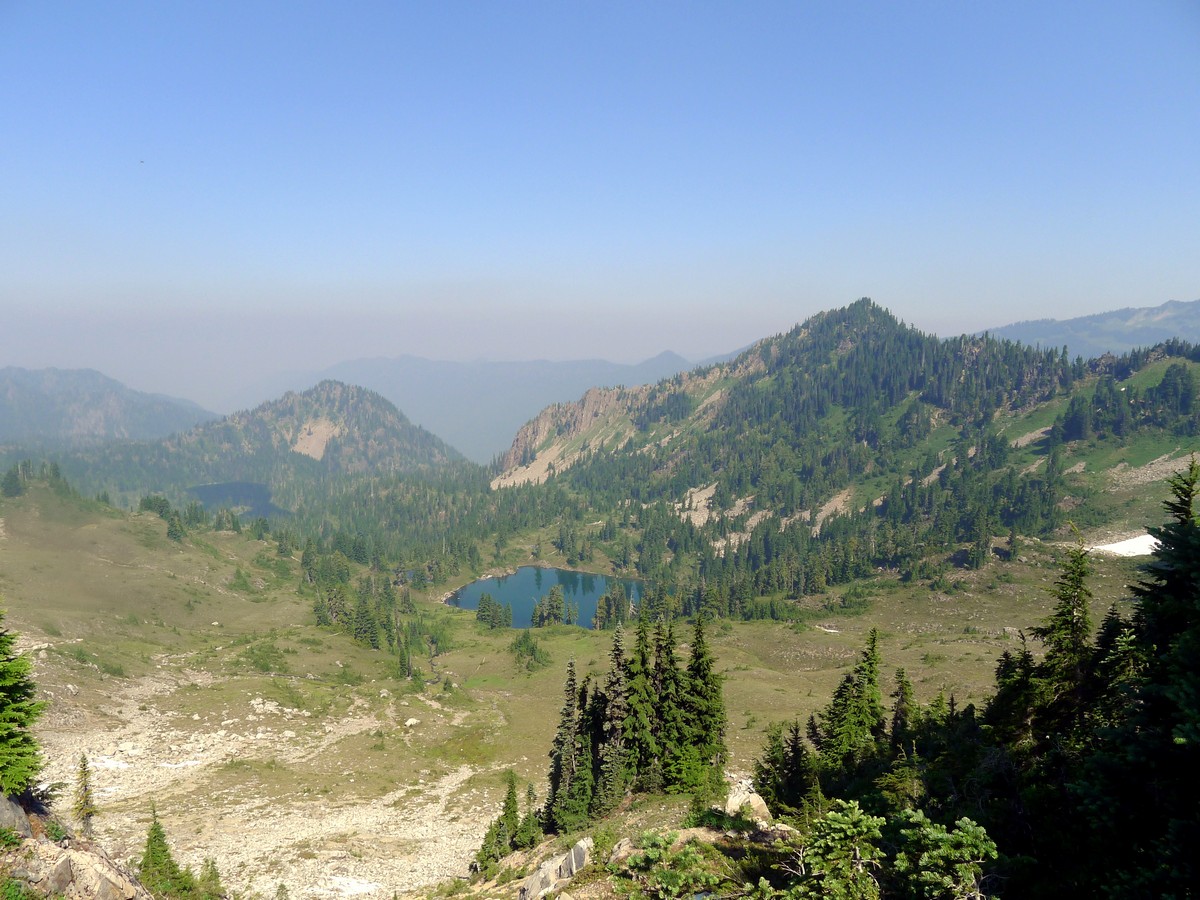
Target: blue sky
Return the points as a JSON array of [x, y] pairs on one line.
[[197, 194]]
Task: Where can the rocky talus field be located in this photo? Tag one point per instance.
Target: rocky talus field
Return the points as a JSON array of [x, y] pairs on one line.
[[232, 784]]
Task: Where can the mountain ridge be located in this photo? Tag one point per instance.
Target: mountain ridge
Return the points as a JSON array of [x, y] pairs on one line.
[[55, 405], [477, 406], [1115, 331]]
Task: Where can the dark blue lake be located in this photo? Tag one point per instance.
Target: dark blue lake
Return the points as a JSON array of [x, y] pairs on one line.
[[530, 583]]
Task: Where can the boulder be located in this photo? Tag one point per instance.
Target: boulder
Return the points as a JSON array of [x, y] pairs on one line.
[[13, 817], [621, 851], [72, 873], [553, 873], [743, 799]]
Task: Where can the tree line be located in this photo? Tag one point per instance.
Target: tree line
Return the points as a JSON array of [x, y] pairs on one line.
[[1078, 771]]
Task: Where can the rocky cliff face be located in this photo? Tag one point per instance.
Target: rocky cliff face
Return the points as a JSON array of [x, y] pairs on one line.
[[555, 438], [607, 417], [70, 868], [563, 421]]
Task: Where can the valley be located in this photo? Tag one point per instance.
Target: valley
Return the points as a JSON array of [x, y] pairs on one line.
[[286, 690], [348, 781]]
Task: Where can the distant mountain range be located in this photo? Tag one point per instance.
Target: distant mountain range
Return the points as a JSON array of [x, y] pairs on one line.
[[73, 406], [1110, 332], [475, 407]]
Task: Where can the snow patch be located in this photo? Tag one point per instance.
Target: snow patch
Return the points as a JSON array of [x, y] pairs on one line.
[[1142, 545]]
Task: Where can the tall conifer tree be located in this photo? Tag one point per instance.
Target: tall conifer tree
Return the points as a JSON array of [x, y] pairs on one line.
[[640, 744], [704, 710], [563, 759], [613, 769], [670, 726], [20, 757]]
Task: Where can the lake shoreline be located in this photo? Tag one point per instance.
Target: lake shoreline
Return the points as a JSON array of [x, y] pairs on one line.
[[523, 587]]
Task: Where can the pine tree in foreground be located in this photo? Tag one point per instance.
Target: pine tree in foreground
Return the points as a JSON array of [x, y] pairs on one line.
[[613, 709], [563, 759], [704, 717], [158, 870], [641, 747], [20, 757]]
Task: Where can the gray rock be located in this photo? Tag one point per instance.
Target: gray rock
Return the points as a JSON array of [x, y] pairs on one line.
[[576, 858], [47, 869], [539, 884], [12, 816], [621, 851], [61, 876], [744, 799], [551, 874]]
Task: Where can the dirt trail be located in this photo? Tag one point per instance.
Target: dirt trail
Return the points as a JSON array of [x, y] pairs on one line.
[[141, 751]]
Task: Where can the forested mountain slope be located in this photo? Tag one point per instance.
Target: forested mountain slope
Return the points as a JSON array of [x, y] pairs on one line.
[[825, 400], [852, 444], [62, 406], [332, 430]]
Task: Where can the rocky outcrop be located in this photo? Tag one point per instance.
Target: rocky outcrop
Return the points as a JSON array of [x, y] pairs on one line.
[[563, 421], [14, 818], [74, 873], [744, 800], [69, 869], [554, 873]]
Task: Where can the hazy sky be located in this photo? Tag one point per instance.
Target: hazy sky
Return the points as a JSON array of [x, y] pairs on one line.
[[193, 194]]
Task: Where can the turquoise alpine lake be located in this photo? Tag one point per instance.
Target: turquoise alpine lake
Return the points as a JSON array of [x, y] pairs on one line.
[[529, 584]]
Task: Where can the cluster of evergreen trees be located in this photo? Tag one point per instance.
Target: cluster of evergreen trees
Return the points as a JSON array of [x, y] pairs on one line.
[[165, 878], [510, 830], [554, 609], [492, 613], [1111, 410], [378, 618], [648, 725], [1081, 766], [194, 515]]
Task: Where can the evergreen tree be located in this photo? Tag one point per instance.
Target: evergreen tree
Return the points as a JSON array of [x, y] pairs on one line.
[[704, 714], [1067, 634], [208, 884], [366, 629], [613, 701], [321, 610], [641, 747], [510, 815], [670, 723], [563, 760], [903, 710], [12, 486], [529, 831], [841, 855], [851, 728], [499, 839], [175, 530], [84, 807], [20, 757], [575, 808], [935, 863], [158, 870], [1141, 794]]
